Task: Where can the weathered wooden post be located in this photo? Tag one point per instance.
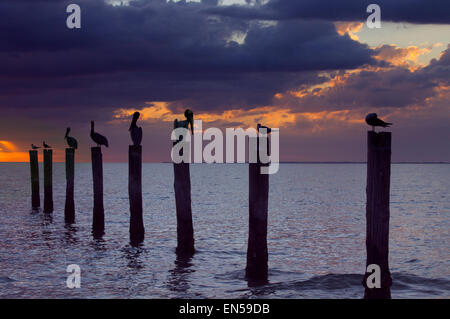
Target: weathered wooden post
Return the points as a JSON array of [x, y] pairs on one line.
[[257, 255], [137, 231], [69, 208], [182, 185], [48, 181], [377, 212], [185, 230], [34, 170], [98, 220]]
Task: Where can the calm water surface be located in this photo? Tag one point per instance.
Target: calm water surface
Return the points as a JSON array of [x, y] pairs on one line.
[[315, 237]]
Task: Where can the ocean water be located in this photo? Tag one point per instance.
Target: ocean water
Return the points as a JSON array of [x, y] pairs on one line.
[[316, 234]]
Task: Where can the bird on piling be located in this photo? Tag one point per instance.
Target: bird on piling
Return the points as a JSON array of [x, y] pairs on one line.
[[71, 141], [98, 138], [373, 120], [189, 121], [45, 145], [190, 118], [34, 147], [268, 129], [135, 131]]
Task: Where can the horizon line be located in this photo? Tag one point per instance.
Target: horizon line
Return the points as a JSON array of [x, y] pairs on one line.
[[281, 162]]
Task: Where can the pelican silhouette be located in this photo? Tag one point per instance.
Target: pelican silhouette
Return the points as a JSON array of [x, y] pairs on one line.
[[98, 138], [373, 120], [45, 145], [189, 121], [135, 131], [34, 147], [71, 141], [262, 126], [189, 115]]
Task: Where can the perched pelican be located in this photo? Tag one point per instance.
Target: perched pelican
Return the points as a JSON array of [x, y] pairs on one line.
[[189, 115], [98, 138], [373, 120], [189, 121], [267, 128], [135, 131], [72, 142], [45, 145], [34, 147]]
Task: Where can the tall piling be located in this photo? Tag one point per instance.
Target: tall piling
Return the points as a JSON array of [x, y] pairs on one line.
[[98, 218], [185, 230], [34, 171], [137, 231], [48, 181], [256, 270], [69, 208], [377, 212]]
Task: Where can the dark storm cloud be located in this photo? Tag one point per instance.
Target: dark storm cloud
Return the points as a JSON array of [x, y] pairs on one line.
[[413, 11], [439, 69], [393, 87], [165, 37], [153, 50]]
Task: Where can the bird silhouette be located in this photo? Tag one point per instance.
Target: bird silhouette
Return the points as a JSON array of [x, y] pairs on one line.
[[45, 145], [71, 141], [98, 138], [262, 126], [189, 121], [34, 147], [135, 131], [190, 118], [373, 120]]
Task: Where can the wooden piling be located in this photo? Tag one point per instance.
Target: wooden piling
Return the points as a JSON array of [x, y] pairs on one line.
[[98, 220], [185, 230], [48, 181], [257, 255], [377, 211], [69, 208], [34, 170], [137, 231]]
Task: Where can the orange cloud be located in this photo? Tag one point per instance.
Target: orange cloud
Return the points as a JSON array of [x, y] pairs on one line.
[[349, 28], [329, 120], [402, 56], [270, 116], [9, 153]]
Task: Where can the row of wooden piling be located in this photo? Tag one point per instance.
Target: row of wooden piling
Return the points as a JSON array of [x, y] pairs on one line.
[[48, 171], [377, 206]]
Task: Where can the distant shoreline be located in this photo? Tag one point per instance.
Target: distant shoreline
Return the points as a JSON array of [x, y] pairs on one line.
[[247, 163]]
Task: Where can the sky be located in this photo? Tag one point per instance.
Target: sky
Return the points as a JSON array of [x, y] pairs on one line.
[[312, 68]]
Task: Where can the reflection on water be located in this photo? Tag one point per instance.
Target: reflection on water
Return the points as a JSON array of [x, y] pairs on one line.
[[132, 254], [70, 234], [47, 219], [316, 233], [178, 279], [98, 244]]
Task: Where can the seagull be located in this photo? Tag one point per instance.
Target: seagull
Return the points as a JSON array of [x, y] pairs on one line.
[[34, 147], [45, 145], [72, 142], [98, 138], [135, 131], [373, 120], [268, 129]]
